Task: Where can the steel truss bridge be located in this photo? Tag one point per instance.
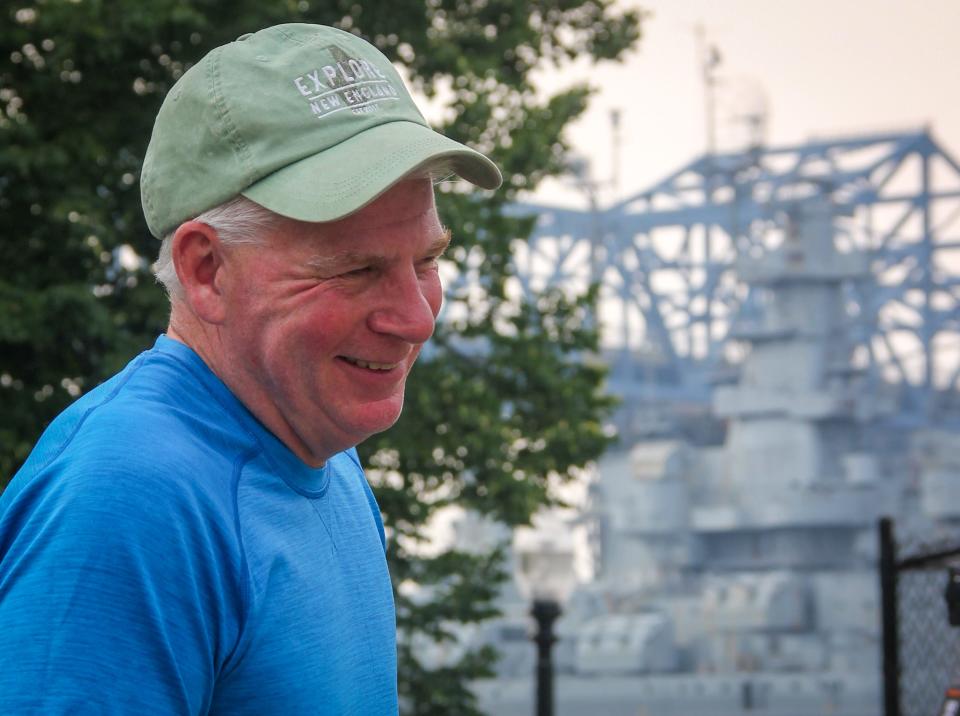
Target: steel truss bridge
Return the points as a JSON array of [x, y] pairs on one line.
[[673, 309]]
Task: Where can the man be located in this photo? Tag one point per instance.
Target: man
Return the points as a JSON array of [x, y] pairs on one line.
[[196, 535]]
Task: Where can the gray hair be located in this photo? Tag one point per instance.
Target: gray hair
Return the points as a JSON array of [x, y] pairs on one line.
[[241, 221], [237, 221]]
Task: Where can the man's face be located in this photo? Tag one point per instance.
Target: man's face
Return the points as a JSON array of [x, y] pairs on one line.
[[324, 321]]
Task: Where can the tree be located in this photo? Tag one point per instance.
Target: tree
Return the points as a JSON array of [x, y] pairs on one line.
[[501, 405]]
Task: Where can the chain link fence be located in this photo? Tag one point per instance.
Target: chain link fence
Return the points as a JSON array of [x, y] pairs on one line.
[[921, 647]]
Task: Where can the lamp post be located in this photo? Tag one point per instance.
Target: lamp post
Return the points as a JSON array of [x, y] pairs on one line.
[[545, 611], [544, 573]]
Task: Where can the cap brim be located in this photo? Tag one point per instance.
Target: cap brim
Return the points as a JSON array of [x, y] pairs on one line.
[[340, 180]]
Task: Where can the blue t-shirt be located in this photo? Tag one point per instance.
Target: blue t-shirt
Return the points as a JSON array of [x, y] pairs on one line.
[[161, 552]]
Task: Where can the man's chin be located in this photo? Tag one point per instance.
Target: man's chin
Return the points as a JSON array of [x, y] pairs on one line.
[[378, 418]]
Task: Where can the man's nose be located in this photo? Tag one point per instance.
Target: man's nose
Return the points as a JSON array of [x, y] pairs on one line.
[[406, 308]]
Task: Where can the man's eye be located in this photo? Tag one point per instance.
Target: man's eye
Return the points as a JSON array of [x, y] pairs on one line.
[[357, 272]]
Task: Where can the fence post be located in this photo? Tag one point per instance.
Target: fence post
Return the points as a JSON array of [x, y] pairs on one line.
[[888, 602]]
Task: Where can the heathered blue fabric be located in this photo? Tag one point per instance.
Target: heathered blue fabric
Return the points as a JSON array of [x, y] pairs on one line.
[[161, 552]]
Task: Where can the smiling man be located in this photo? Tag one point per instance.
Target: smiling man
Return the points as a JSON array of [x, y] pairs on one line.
[[196, 536]]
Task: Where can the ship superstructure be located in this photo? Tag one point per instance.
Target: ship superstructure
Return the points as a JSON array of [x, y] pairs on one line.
[[784, 334]]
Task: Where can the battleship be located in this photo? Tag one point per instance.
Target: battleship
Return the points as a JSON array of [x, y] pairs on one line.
[[781, 325]]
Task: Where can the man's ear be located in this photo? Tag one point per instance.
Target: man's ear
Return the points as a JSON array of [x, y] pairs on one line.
[[198, 260]]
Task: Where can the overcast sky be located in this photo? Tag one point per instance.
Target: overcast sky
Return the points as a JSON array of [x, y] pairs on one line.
[[821, 67]]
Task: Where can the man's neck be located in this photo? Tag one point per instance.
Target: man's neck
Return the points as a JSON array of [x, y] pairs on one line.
[[203, 341]]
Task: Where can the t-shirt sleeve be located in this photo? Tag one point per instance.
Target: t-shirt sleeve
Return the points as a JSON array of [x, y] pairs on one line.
[[120, 593]]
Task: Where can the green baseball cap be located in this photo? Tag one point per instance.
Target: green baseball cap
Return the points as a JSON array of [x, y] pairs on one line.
[[308, 121]]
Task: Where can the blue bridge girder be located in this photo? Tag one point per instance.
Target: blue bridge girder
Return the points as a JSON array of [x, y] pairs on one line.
[[672, 303]]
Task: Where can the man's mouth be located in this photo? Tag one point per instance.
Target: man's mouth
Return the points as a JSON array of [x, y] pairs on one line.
[[370, 365]]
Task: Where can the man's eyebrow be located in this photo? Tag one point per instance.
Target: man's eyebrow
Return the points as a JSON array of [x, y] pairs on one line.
[[346, 258], [438, 247]]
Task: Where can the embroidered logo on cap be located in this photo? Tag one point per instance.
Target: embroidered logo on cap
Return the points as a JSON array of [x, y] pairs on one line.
[[349, 83]]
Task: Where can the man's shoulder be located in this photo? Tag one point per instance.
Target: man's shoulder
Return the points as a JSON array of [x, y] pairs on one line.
[[150, 423], [125, 469]]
